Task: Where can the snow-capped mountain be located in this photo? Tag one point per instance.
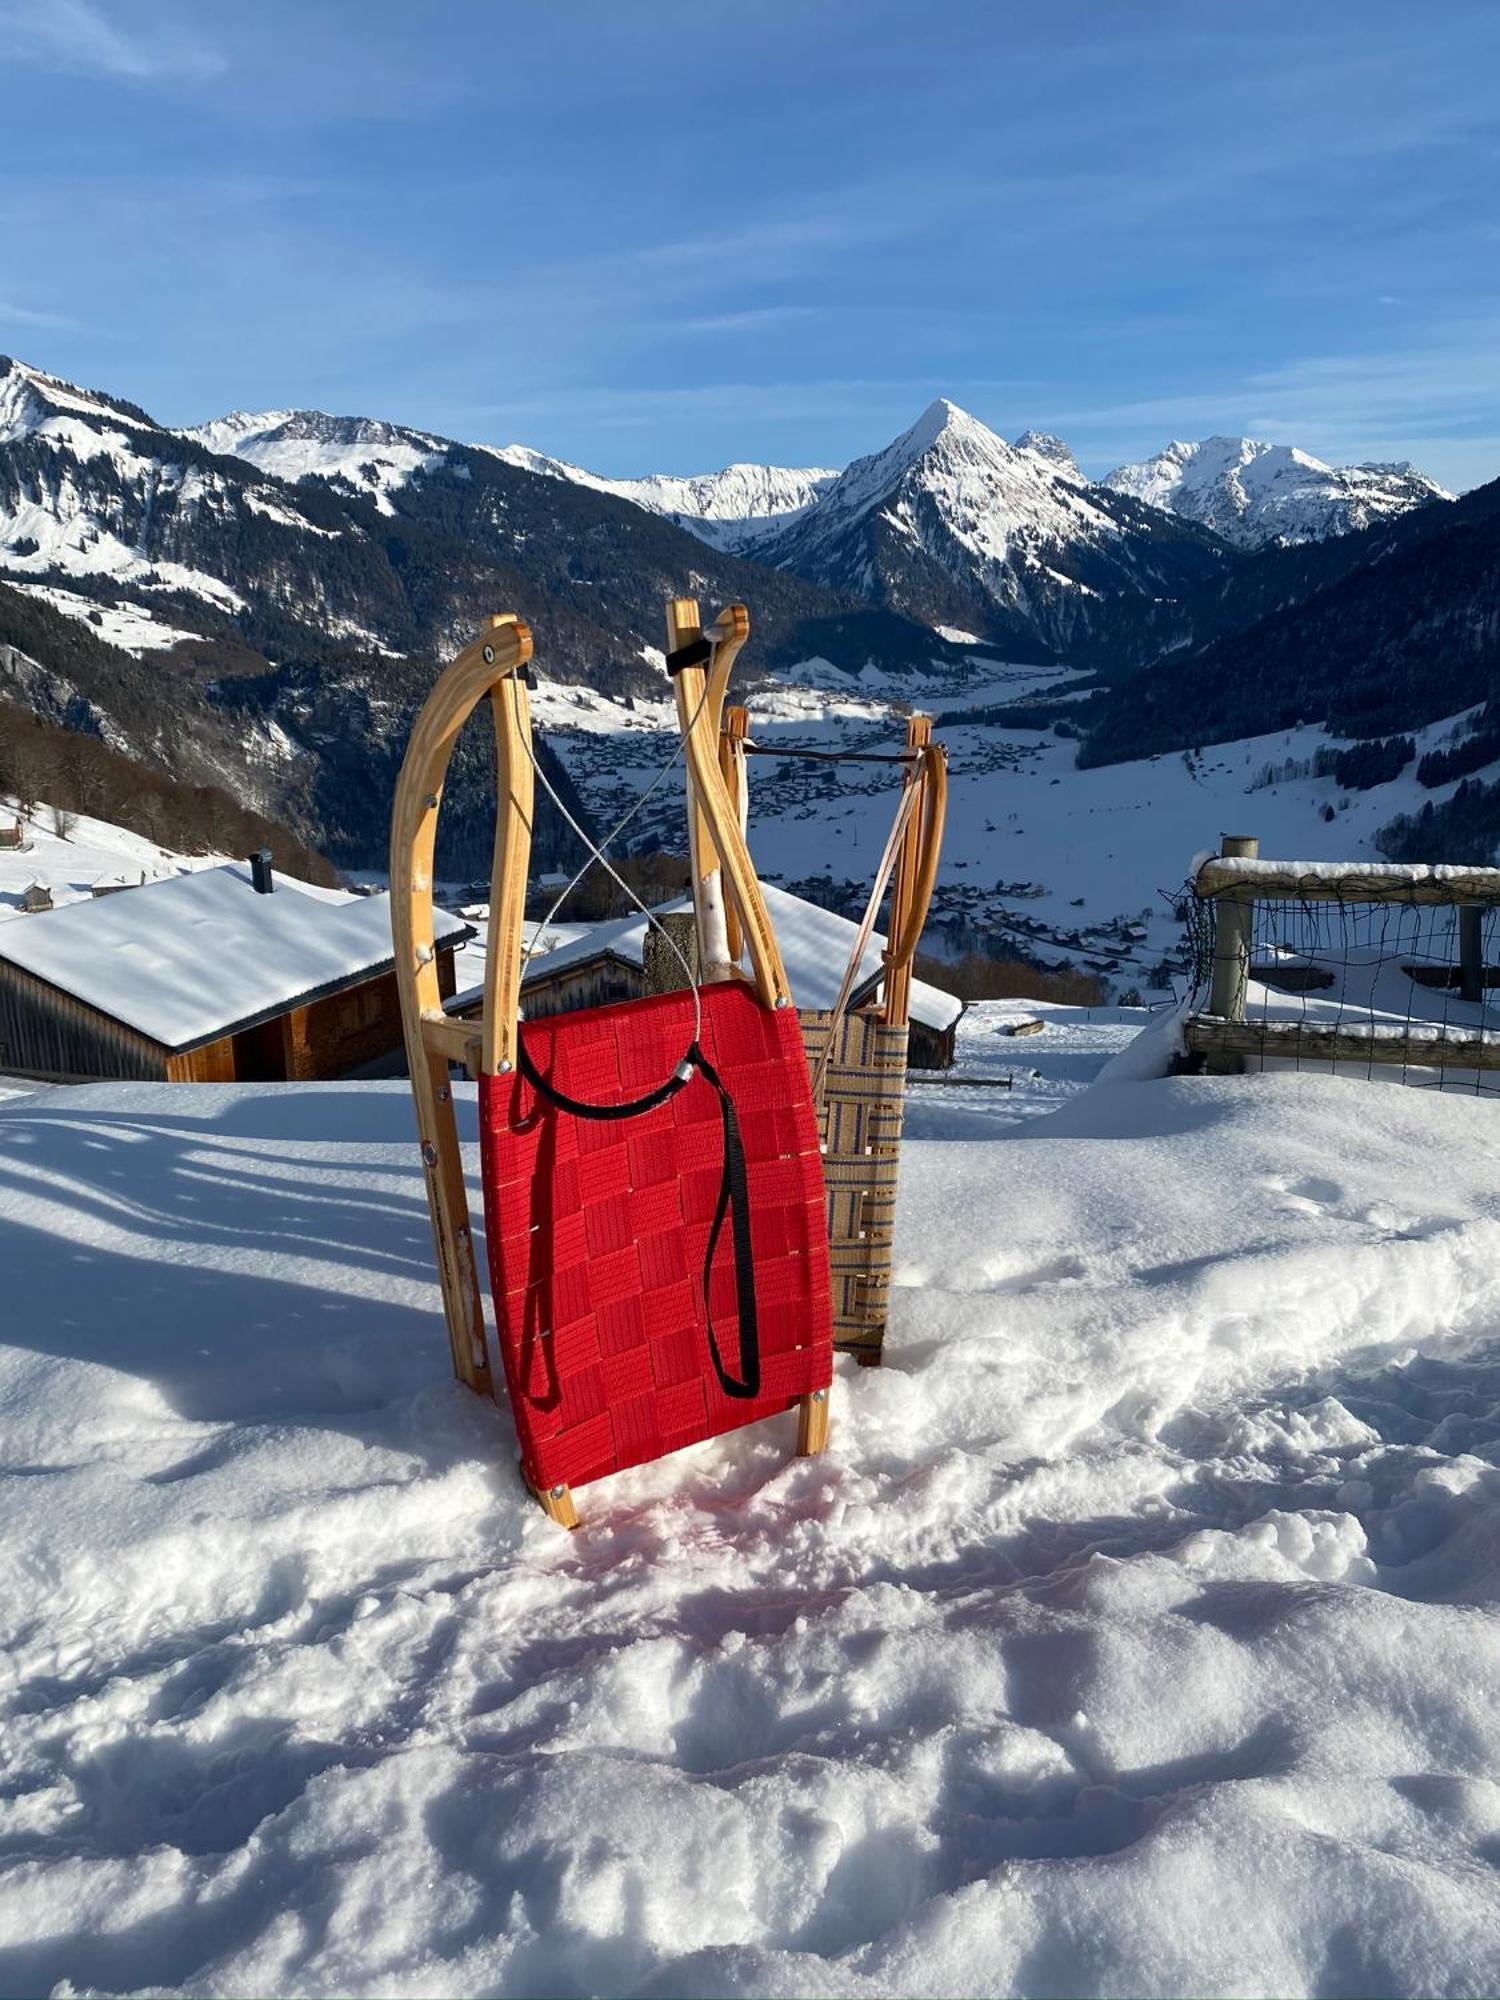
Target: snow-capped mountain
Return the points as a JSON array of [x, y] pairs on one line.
[[733, 509], [954, 526], [1057, 454], [91, 488], [359, 455], [1253, 493], [293, 578]]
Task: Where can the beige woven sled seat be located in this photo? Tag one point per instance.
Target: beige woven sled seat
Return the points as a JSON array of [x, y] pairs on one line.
[[857, 1049]]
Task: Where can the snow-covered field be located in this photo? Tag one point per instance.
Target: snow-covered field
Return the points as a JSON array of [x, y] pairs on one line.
[[90, 851], [1136, 1635]]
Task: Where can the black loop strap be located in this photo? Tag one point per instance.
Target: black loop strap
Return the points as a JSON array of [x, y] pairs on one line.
[[733, 1200], [734, 1195], [694, 654], [679, 1078]]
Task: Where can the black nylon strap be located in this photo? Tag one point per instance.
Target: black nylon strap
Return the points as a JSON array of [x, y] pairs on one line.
[[734, 1200], [734, 1194], [694, 654], [677, 1081]]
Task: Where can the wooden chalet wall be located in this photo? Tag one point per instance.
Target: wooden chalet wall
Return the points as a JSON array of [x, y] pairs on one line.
[[596, 983], [47, 1032], [931, 1048]]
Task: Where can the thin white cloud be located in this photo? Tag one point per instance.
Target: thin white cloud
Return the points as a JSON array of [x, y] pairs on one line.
[[47, 322], [79, 35]]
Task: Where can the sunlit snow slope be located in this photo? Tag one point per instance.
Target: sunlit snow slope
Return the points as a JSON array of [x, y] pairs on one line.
[[1137, 1634]]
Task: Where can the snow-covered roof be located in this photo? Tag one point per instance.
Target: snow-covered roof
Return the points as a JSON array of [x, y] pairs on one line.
[[815, 945], [200, 955]]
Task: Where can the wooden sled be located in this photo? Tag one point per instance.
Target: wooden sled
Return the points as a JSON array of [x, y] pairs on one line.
[[857, 1049], [493, 1048]]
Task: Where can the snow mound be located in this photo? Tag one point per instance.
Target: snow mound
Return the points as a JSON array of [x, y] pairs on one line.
[[1136, 1635]]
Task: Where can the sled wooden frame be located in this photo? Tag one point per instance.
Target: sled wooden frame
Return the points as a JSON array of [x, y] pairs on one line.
[[496, 665], [859, 1056]]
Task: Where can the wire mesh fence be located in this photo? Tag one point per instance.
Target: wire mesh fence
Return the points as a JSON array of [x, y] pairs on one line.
[[1374, 972]]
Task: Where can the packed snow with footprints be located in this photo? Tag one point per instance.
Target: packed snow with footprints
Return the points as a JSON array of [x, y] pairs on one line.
[[1135, 1633]]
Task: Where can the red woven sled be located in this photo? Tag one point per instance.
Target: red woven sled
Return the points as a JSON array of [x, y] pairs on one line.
[[654, 1202], [599, 1234]]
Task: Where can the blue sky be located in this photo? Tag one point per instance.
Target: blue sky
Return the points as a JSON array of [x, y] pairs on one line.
[[646, 235]]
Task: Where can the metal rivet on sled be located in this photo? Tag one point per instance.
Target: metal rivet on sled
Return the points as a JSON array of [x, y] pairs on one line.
[[819, 1395], [780, 999], [444, 1093], [505, 1066], [432, 801], [489, 656], [429, 1153], [558, 1492]]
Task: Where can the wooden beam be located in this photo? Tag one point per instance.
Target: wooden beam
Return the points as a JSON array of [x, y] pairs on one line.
[[735, 766], [812, 1424], [1229, 978], [515, 779], [1290, 1041], [916, 869], [502, 649], [728, 633], [734, 878], [1359, 882]]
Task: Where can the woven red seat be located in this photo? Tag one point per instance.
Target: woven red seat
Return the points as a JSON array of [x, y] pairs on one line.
[[598, 1232]]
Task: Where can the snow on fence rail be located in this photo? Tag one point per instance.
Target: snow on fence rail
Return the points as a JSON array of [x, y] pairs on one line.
[[1344, 964]]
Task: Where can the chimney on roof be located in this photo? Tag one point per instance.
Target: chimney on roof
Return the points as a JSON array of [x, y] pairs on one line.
[[260, 871]]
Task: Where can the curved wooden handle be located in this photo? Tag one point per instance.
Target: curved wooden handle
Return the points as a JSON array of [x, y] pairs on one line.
[[489, 666], [934, 783], [432, 1040], [722, 849]]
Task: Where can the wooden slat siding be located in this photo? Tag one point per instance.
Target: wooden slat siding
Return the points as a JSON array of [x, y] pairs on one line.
[[1290, 1042], [330, 1037], [598, 983], [43, 1028], [931, 1048], [860, 1127], [213, 1063]]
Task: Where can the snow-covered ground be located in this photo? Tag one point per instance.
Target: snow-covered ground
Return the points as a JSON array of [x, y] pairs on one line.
[[1137, 1634], [91, 851]]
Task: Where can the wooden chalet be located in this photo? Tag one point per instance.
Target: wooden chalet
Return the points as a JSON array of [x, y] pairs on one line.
[[609, 962], [222, 975]]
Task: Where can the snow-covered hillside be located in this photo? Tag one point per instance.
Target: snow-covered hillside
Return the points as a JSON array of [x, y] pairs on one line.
[[87, 853], [1254, 494], [1137, 1633], [360, 454], [71, 442], [1039, 857]]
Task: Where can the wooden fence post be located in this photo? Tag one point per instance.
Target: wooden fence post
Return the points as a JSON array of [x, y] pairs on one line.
[[1470, 952], [1233, 922]]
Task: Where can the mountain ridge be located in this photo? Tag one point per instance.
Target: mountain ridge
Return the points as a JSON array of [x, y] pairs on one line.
[[1253, 493]]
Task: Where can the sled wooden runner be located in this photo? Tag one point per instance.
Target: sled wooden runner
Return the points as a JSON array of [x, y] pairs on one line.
[[856, 1050], [726, 893], [578, 1167]]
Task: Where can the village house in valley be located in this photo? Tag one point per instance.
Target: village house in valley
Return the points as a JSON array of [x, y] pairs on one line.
[[226, 974]]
